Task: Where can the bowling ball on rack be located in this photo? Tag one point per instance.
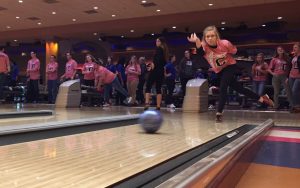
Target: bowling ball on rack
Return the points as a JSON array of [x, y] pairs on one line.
[[151, 121]]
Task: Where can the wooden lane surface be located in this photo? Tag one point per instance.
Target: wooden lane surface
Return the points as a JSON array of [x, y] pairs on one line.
[[98, 159], [62, 114]]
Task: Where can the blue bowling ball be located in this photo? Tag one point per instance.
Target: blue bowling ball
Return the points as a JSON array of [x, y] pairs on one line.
[[151, 121]]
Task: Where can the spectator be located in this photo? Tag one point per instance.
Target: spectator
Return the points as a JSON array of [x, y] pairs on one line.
[[33, 72], [170, 74]]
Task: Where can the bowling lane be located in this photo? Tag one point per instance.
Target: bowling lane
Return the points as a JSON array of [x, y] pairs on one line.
[[61, 114], [101, 158]]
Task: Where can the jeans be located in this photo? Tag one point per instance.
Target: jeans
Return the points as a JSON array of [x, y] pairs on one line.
[[277, 82], [170, 86], [258, 87], [33, 91], [52, 90], [294, 84], [115, 84], [2, 81], [132, 87], [183, 82]]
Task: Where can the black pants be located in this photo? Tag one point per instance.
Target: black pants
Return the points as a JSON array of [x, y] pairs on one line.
[[89, 83], [33, 91], [228, 79], [170, 88], [157, 78], [140, 91], [183, 81]]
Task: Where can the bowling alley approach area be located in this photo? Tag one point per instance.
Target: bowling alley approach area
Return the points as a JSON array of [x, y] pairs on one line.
[[95, 147]]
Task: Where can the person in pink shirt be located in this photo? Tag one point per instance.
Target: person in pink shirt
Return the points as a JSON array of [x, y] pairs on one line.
[[108, 79], [219, 54], [71, 68], [33, 72], [4, 70], [88, 71], [51, 72], [133, 70], [294, 80], [259, 74], [278, 68]]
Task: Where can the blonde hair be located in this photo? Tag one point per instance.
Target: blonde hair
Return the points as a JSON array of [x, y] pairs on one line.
[[211, 28], [262, 55]]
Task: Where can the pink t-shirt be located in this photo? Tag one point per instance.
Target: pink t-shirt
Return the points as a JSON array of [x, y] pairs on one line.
[[89, 70], [278, 66], [220, 57], [33, 69], [294, 73], [4, 62], [104, 76], [129, 72], [71, 67], [52, 70], [256, 74]]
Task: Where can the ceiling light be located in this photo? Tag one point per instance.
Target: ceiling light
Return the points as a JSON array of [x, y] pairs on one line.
[[122, 36], [95, 8], [95, 34], [39, 23], [131, 30], [152, 34], [53, 12], [74, 20], [174, 27], [18, 17], [100, 39], [144, 1], [8, 27], [222, 28], [20, 1], [279, 17], [263, 25], [223, 23], [157, 10], [113, 15], [210, 4], [15, 40]]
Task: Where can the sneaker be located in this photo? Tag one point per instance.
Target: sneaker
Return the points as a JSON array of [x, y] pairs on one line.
[[172, 106], [219, 117], [106, 105], [128, 100], [266, 99], [158, 108], [211, 107]]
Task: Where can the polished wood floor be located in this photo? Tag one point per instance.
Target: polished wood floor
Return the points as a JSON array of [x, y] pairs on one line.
[[267, 176], [100, 158]]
